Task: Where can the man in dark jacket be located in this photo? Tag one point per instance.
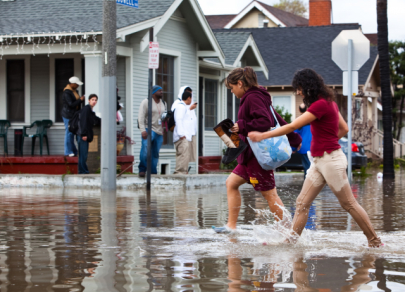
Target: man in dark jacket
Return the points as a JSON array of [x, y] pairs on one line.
[[71, 104], [87, 120]]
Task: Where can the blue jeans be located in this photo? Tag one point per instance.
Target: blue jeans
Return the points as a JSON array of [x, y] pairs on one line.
[[70, 147], [305, 163], [83, 153], [157, 141]]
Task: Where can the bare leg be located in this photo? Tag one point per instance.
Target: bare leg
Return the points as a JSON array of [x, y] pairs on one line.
[[274, 202], [233, 183]]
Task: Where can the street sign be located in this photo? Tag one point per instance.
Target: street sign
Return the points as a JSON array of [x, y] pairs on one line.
[[354, 83], [361, 49], [131, 3], [153, 55]]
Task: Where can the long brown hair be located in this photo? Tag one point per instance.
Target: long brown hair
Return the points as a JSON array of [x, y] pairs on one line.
[[312, 86], [247, 75]]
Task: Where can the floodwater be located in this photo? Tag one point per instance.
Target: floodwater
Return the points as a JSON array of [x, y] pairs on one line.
[[81, 240]]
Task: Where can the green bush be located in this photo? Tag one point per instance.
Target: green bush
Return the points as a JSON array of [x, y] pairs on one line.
[[283, 113]]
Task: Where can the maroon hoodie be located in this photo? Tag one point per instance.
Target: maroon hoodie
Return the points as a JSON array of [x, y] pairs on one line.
[[255, 115]]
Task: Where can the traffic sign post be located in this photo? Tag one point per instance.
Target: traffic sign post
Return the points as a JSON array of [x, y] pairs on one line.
[[131, 3], [350, 50]]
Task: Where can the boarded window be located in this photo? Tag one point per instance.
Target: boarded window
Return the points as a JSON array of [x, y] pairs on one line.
[[211, 97], [165, 78], [16, 90], [64, 69]]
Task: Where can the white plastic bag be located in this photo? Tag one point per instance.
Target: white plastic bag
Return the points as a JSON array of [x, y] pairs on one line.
[[272, 152]]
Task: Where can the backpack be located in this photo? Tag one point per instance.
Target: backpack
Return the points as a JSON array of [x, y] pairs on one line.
[[73, 125], [171, 123]]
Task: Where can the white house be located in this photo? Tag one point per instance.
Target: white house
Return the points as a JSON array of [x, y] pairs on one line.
[[42, 45]]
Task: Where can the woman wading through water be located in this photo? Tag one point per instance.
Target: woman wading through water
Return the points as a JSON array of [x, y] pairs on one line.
[[254, 115], [330, 163]]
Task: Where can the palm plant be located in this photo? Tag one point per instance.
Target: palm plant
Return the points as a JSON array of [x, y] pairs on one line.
[[383, 52]]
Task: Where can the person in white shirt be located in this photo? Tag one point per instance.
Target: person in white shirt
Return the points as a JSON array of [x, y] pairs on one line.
[[192, 120], [181, 135]]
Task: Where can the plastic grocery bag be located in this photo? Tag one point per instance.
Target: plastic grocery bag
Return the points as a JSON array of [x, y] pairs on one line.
[[273, 152]]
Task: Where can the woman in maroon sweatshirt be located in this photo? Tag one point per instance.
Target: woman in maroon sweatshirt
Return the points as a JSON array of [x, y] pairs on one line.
[[254, 115]]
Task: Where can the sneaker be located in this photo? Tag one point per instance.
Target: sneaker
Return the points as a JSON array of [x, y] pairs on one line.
[[71, 155], [224, 230]]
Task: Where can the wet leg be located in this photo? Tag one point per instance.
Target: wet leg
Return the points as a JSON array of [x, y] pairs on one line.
[[336, 178], [233, 183], [313, 185], [274, 202]]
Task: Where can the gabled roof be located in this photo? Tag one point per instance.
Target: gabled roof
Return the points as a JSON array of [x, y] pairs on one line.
[[278, 16], [289, 19], [44, 16], [286, 50], [232, 43], [219, 21]]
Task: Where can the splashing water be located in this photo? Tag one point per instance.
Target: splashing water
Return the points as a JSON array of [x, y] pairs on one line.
[[270, 231]]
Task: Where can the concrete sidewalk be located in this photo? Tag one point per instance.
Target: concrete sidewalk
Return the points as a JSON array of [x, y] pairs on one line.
[[129, 182]]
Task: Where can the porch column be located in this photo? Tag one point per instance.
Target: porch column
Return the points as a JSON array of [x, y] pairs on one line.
[[374, 113], [92, 74]]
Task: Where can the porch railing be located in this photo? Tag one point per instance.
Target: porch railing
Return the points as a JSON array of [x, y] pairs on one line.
[[377, 145]]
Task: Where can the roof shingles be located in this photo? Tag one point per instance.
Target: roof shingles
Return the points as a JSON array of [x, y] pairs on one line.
[[286, 50], [231, 43], [44, 16]]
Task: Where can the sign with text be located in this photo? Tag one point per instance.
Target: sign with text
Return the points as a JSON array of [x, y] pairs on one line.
[[153, 55], [131, 3]]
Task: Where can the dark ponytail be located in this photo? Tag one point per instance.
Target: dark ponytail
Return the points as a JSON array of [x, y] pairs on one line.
[[247, 75]]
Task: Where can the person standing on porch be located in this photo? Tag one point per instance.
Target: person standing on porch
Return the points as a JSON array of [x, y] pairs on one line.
[[182, 137], [71, 104], [158, 108], [191, 124], [87, 120]]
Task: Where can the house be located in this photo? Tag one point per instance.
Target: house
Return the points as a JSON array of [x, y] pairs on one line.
[[41, 46], [286, 49], [257, 14]]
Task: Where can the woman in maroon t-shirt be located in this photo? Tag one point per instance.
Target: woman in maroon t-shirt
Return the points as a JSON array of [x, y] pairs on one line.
[[254, 115], [330, 163]]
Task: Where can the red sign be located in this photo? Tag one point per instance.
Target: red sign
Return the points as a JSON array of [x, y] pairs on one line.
[[153, 55]]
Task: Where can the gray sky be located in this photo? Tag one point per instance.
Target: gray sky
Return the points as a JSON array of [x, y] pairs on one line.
[[363, 12]]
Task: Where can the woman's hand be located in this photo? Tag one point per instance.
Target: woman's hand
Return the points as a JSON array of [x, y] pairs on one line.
[[255, 136], [235, 128]]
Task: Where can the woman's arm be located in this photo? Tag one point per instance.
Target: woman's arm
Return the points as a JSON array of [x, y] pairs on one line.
[[299, 122], [343, 128]]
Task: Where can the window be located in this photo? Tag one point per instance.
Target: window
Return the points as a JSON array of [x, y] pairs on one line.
[[229, 105], [282, 101], [165, 78], [64, 69], [357, 109], [16, 90], [231, 101], [211, 89]]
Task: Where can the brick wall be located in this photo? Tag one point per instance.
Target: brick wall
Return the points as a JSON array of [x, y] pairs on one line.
[[320, 12]]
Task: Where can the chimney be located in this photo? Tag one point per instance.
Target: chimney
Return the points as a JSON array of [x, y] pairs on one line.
[[320, 12]]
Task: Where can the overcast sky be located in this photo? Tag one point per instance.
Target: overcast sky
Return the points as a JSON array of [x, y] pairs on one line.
[[363, 12]]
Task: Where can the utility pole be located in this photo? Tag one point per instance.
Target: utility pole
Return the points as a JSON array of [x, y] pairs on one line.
[[149, 163], [108, 98]]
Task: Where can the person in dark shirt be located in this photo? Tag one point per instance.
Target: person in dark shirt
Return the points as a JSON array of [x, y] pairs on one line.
[[87, 120], [71, 104]]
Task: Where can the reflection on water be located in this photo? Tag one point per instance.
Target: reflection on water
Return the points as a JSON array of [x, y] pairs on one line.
[[73, 240]]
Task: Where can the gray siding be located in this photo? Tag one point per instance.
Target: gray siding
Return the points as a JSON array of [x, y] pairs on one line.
[[174, 36], [212, 146], [39, 87]]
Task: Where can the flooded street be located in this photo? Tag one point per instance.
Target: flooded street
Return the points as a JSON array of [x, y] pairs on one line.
[[81, 240]]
